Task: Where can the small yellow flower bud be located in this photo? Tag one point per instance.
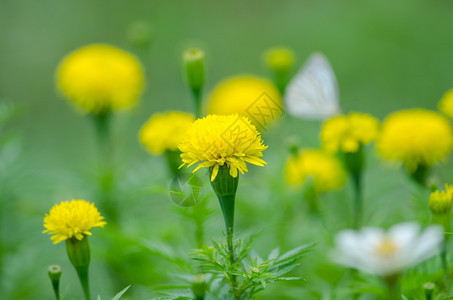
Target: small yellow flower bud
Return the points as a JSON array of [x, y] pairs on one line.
[[279, 59], [440, 202]]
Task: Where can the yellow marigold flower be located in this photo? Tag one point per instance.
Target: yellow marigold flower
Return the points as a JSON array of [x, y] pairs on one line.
[[72, 219], [347, 133], [216, 141], [321, 169], [446, 104], [253, 97], [165, 131], [100, 77], [415, 137], [441, 201]]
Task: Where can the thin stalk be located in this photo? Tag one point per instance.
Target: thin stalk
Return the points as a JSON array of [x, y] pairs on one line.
[[358, 210], [196, 94], [82, 272], [227, 205], [56, 289], [393, 291], [444, 220], [102, 125], [354, 162]]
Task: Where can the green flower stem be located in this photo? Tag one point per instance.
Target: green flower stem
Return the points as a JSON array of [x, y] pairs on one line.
[[420, 175], [196, 94], [311, 196], [102, 125], [79, 255], [281, 79], [443, 219], [393, 290], [82, 272], [225, 187], [354, 162]]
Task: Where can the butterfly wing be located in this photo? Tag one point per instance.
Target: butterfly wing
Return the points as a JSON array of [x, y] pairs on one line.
[[313, 92]]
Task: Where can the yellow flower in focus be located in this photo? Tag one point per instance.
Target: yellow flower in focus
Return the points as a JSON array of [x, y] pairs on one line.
[[446, 104], [99, 78], [440, 201], [72, 219], [321, 169], [348, 133], [279, 58], [415, 137], [253, 97], [216, 141], [165, 131]]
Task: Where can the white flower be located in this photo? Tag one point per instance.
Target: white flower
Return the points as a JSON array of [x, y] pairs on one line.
[[375, 251]]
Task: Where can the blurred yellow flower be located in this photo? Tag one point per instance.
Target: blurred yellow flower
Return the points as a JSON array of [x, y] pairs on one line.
[[165, 131], [216, 141], [441, 201], [279, 58], [316, 167], [415, 137], [347, 133], [446, 104], [99, 78], [253, 97], [72, 219]]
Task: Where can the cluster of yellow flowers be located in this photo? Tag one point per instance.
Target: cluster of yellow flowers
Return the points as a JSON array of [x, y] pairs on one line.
[[415, 137], [348, 133], [100, 78], [72, 219], [165, 131], [216, 141], [316, 167]]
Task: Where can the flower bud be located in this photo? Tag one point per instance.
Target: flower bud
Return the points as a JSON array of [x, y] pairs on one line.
[[199, 286], [54, 272], [440, 202], [140, 34], [429, 289], [194, 68], [279, 59]]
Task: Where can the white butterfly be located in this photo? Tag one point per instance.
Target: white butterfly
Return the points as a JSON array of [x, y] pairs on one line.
[[313, 92]]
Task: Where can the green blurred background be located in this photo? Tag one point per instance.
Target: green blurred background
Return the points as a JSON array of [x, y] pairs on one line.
[[387, 55]]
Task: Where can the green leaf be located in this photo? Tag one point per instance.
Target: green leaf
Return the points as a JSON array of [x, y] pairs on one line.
[[118, 296]]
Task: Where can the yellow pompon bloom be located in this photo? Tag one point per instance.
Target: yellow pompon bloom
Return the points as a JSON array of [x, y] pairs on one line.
[[72, 219], [446, 104], [415, 137], [165, 131], [253, 97], [347, 133], [100, 77], [441, 201], [321, 169], [216, 141]]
